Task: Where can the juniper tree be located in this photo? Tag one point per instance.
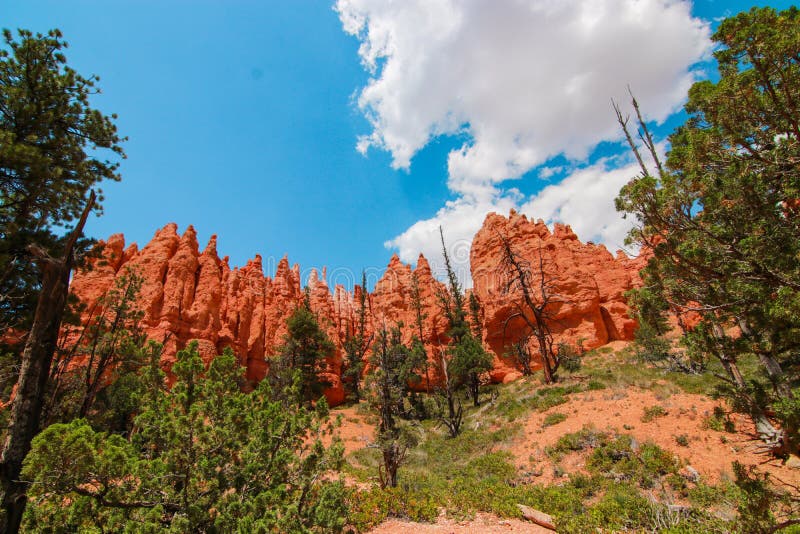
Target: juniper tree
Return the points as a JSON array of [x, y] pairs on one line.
[[305, 350], [721, 215]]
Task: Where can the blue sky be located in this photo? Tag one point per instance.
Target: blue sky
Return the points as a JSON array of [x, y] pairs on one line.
[[243, 119]]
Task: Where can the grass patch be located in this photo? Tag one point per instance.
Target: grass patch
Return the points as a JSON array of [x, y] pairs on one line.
[[553, 419], [512, 407]]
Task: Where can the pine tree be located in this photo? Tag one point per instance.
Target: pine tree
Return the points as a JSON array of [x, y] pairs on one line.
[[721, 216], [387, 391], [205, 457], [305, 350], [49, 136], [48, 163], [357, 342]]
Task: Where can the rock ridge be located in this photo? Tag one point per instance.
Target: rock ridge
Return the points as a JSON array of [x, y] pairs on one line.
[[189, 295]]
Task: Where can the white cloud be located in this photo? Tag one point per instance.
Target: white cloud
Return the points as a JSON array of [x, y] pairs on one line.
[[525, 80], [459, 219], [585, 201]]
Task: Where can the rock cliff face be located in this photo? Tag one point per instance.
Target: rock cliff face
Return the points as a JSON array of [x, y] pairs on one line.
[[584, 282], [191, 295]]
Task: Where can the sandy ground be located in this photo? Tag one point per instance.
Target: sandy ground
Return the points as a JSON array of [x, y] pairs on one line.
[[356, 432], [710, 452], [483, 523]]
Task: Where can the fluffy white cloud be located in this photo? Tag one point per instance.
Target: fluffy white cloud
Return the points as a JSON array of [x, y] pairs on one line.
[[459, 219], [523, 80], [585, 200]]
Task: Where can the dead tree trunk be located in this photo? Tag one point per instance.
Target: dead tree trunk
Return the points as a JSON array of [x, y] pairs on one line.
[[454, 409], [775, 438], [537, 296], [26, 408]]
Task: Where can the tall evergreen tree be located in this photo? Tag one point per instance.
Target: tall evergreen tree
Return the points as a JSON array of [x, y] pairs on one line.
[[387, 390], [48, 163], [305, 349], [49, 134], [417, 341], [357, 342], [721, 216], [465, 359]]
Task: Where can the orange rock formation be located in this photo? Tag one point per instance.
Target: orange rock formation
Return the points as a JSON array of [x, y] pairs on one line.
[[586, 284], [192, 295]]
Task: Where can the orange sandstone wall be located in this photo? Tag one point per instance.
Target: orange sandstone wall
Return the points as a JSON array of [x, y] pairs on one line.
[[587, 282], [188, 294]]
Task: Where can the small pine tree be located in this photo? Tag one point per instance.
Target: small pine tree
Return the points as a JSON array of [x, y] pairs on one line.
[[357, 343], [305, 348], [468, 361], [388, 385]]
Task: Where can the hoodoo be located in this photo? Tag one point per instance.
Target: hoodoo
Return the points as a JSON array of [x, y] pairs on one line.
[[187, 294]]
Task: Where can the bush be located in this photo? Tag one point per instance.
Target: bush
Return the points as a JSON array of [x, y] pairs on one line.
[[618, 459], [719, 421], [652, 413], [553, 419], [585, 438], [569, 358]]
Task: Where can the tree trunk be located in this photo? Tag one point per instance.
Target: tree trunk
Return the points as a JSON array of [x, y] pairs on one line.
[[546, 362], [37, 357]]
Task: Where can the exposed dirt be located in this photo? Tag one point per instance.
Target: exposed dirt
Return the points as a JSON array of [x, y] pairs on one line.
[[356, 432], [708, 451], [620, 410], [482, 523]]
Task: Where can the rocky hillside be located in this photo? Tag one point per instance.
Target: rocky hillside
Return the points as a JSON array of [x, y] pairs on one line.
[[188, 294]]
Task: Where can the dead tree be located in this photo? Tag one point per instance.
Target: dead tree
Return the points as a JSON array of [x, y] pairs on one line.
[[37, 357], [536, 288], [386, 390]]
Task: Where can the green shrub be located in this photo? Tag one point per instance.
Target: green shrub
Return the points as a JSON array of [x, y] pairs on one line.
[[371, 507], [569, 358], [682, 440], [719, 421], [553, 419], [585, 438], [704, 496], [618, 459], [652, 412]]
